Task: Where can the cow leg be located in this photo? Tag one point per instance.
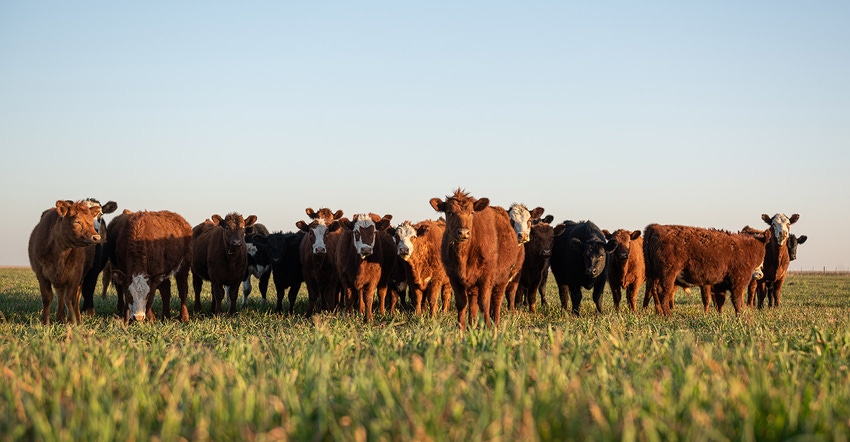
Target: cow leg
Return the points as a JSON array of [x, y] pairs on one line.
[[367, 297], [46, 298], [232, 292], [762, 292], [663, 293], [598, 288], [165, 295], [293, 295], [264, 285], [617, 294], [217, 295], [738, 297], [246, 289], [382, 298], [631, 294], [433, 295], [72, 303], [89, 283], [105, 279], [495, 303], [575, 298], [182, 279], [197, 284], [462, 304], [564, 292], [751, 292]]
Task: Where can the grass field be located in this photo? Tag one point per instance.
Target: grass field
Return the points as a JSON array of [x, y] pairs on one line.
[[766, 375]]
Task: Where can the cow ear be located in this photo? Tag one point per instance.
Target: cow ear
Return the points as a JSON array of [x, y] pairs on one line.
[[217, 219], [537, 212], [250, 220], [606, 234], [481, 204], [391, 231], [302, 226], [438, 204], [109, 207], [311, 213], [635, 235], [794, 218], [611, 245], [259, 239], [802, 239], [575, 243], [548, 219], [337, 223], [559, 229], [382, 224], [422, 230], [337, 214], [63, 207], [765, 218]]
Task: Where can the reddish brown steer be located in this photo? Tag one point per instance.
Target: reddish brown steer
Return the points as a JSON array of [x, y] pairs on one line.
[[61, 249], [479, 251], [220, 256]]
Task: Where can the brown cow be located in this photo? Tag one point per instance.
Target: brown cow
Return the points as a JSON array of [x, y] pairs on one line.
[[318, 253], [150, 248], [419, 251], [626, 270], [61, 249], [479, 250], [693, 256], [363, 261], [220, 256], [776, 259]]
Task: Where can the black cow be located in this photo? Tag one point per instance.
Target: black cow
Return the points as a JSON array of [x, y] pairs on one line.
[[579, 259], [792, 243], [101, 254], [282, 250]]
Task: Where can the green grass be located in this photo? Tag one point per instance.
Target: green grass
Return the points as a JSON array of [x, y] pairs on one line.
[[766, 375]]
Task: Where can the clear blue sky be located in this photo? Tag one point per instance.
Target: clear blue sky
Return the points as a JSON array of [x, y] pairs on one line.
[[625, 113]]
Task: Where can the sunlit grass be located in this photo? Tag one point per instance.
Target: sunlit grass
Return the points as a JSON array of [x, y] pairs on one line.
[[765, 375]]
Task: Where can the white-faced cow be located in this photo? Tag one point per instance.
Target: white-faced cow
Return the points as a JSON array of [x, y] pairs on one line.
[[151, 247], [776, 259], [536, 236], [219, 255], [479, 251], [61, 248], [419, 251], [580, 259], [363, 261], [318, 256]]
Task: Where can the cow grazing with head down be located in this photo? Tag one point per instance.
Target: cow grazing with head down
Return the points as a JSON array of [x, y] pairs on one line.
[[150, 248], [536, 236], [580, 259], [318, 256], [220, 256], [101, 255], [479, 250], [626, 269], [364, 261], [259, 263], [776, 259], [61, 248], [714, 260], [419, 251], [283, 251]]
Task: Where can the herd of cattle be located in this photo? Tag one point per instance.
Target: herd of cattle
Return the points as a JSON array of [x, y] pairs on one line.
[[478, 252]]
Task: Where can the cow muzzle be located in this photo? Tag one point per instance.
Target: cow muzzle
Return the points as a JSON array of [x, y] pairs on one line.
[[522, 238], [365, 251], [462, 234]]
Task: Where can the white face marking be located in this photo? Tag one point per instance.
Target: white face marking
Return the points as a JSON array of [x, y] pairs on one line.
[[781, 226], [319, 237], [252, 249], [521, 221], [139, 289], [758, 273], [362, 229], [405, 234]]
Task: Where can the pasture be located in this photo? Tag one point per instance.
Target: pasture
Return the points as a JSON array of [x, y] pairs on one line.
[[766, 375]]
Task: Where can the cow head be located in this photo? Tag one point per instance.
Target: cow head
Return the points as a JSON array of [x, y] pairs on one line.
[[594, 252], [781, 225], [100, 210], [314, 233], [324, 213], [78, 223], [460, 209], [364, 229], [405, 237], [138, 292], [624, 239], [542, 236], [234, 229], [793, 242], [521, 220]]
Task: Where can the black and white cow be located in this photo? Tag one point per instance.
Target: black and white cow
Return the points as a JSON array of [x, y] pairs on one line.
[[259, 263]]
